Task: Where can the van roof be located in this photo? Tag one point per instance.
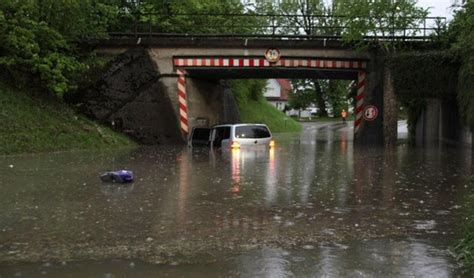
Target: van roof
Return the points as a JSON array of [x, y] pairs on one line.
[[241, 124]]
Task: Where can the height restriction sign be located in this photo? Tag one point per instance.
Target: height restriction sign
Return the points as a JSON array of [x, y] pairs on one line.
[[370, 113]]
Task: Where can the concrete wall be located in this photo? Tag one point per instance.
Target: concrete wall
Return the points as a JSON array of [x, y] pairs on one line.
[[428, 125], [135, 97], [390, 108], [372, 132], [210, 103], [150, 118], [440, 123]]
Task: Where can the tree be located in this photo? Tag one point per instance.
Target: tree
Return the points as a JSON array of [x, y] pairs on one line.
[[303, 95], [338, 92], [461, 30], [38, 42], [380, 19], [33, 52], [189, 16]]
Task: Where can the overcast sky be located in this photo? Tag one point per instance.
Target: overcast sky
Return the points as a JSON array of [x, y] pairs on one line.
[[438, 7]]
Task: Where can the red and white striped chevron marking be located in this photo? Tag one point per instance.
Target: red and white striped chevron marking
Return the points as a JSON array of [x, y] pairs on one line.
[[183, 106], [262, 62], [359, 101]]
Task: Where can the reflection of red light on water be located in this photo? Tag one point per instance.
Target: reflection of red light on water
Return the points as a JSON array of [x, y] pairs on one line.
[[344, 143], [272, 157], [235, 188], [235, 167]]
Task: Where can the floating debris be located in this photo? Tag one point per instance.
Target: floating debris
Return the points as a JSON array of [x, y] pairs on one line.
[[122, 176]]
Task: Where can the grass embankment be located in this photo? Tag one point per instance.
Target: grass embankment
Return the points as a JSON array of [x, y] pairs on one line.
[[35, 124], [263, 112], [254, 108], [465, 248]]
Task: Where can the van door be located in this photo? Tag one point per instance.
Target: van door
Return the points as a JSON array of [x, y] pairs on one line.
[[199, 137], [220, 137]]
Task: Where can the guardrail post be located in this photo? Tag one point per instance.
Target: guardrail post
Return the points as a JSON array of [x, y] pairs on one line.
[[273, 25], [424, 29]]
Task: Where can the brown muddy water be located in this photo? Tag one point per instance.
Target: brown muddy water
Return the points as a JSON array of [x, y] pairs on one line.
[[314, 206]]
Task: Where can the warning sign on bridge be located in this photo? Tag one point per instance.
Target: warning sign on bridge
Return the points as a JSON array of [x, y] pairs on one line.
[[272, 55], [370, 113]]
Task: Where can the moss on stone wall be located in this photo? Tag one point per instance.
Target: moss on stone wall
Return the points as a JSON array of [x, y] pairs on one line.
[[418, 76], [425, 75], [466, 92]]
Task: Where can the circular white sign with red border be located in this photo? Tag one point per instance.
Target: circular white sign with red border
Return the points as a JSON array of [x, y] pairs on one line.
[[370, 113], [272, 55]]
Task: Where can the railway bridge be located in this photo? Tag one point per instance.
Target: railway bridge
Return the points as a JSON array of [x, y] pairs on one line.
[[159, 86]]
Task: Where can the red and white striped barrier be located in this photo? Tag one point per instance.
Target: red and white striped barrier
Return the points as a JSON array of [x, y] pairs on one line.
[[183, 106], [249, 62], [359, 111], [262, 62]]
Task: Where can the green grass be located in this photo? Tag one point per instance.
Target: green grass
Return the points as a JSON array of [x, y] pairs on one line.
[[35, 124], [261, 111], [254, 108]]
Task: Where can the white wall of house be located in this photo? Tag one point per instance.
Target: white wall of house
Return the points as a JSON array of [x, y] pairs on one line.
[[279, 104], [273, 88]]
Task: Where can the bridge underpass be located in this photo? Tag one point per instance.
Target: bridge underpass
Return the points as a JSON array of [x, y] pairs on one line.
[[150, 109], [257, 67]]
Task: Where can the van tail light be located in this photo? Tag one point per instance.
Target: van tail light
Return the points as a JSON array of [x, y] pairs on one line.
[[235, 145], [271, 144]]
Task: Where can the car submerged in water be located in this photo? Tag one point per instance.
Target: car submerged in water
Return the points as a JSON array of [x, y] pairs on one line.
[[232, 136]]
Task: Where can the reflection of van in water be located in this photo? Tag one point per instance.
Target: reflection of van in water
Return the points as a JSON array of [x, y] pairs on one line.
[[232, 136]]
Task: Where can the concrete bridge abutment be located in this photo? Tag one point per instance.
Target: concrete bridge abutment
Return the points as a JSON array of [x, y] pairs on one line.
[[210, 102], [440, 122], [379, 93], [138, 95]]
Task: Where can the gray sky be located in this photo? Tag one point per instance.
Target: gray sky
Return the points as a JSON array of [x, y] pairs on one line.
[[439, 7]]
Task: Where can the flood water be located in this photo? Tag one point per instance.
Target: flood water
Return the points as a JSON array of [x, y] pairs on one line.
[[314, 206]]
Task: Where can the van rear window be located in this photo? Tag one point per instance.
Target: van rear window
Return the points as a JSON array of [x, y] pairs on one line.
[[252, 132]]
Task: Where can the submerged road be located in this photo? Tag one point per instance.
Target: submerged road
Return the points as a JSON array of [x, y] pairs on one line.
[[312, 206]]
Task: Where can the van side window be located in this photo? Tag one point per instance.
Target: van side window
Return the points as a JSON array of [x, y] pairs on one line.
[[222, 133]]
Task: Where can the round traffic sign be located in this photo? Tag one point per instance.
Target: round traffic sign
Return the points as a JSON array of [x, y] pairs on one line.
[[272, 55], [370, 113]]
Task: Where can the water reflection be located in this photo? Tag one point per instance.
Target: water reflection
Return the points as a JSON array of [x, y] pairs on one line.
[[235, 166], [201, 205], [116, 189], [372, 258]]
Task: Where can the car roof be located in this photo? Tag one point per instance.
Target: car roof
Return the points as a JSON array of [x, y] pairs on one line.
[[242, 124]]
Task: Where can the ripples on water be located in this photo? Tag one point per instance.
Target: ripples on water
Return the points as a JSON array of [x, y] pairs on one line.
[[312, 206]]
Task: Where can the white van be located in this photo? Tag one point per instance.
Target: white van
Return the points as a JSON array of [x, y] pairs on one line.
[[232, 136]]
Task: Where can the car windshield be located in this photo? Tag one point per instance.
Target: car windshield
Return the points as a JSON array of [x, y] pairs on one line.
[[252, 131]]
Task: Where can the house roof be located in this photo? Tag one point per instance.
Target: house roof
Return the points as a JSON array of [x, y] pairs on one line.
[[286, 88], [285, 84]]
